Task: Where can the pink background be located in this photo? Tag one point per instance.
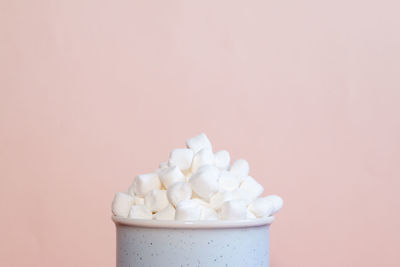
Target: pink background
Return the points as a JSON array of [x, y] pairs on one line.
[[94, 92]]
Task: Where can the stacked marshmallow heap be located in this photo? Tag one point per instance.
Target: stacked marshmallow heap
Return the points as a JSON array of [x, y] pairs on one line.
[[196, 184]]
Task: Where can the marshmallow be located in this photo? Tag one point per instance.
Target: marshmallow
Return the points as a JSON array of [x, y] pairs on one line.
[[219, 198], [139, 200], [188, 174], [188, 210], [140, 212], [198, 142], [171, 175], [261, 207], [181, 157], [146, 182], [156, 200], [233, 210], [205, 181], [122, 204], [163, 165], [252, 187], [201, 202], [208, 214], [227, 181], [168, 213], [201, 158], [278, 202], [240, 194], [250, 215], [196, 184], [208, 168], [240, 169], [131, 190], [179, 192], [222, 159]]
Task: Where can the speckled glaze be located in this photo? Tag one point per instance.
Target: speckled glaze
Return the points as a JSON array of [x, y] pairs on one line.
[[210, 244]]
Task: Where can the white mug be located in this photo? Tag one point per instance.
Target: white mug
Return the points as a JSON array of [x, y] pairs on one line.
[[151, 243]]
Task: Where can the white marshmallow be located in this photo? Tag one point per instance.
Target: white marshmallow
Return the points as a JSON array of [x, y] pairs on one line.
[[140, 212], [205, 181], [171, 175], [146, 182], [240, 194], [228, 181], [278, 202], [131, 190], [201, 158], [219, 198], [139, 200], [188, 210], [222, 159], [156, 200], [188, 174], [121, 204], [179, 192], [261, 207], [202, 202], [208, 214], [168, 213], [198, 142], [252, 187], [233, 210], [181, 157], [163, 165], [250, 215], [208, 168], [240, 168]]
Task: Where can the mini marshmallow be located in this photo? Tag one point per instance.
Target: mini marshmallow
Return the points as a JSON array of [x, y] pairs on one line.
[[250, 215], [131, 190], [198, 142], [139, 200], [196, 184], [278, 202], [188, 174], [205, 181], [219, 198], [201, 158], [261, 207], [140, 212], [252, 187], [208, 214], [181, 157], [156, 200], [179, 192], [171, 175], [222, 159], [146, 182], [163, 165], [240, 194], [227, 181], [121, 204], [168, 213], [240, 169], [233, 210], [202, 202], [188, 210]]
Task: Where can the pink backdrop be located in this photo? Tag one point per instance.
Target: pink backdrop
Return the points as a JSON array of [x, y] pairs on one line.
[[94, 92]]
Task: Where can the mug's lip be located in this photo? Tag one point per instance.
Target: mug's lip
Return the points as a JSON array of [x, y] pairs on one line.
[[193, 224]]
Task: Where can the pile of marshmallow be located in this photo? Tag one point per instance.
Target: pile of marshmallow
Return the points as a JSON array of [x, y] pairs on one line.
[[196, 184]]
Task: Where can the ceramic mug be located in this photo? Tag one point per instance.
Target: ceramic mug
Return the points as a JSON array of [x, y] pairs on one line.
[[151, 243]]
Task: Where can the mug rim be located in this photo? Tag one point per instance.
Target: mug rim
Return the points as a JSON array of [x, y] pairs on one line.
[[193, 224]]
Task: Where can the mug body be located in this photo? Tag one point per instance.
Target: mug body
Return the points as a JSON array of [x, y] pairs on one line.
[[209, 244]]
